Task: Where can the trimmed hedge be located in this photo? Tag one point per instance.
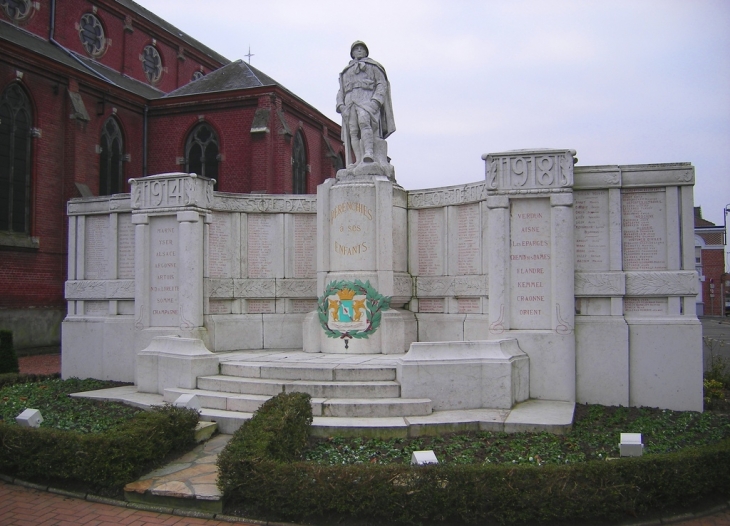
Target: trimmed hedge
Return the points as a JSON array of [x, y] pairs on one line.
[[102, 463], [270, 487]]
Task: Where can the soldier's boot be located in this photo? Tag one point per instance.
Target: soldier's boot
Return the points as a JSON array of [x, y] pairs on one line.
[[356, 145], [367, 145]]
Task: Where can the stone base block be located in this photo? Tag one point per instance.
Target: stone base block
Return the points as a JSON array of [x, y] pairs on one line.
[[665, 360], [398, 329], [170, 362], [466, 375]]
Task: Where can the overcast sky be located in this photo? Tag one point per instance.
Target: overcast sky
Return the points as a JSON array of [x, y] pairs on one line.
[[621, 82]]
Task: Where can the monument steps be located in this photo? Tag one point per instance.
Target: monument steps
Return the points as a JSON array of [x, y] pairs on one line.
[[316, 389], [338, 390], [308, 371]]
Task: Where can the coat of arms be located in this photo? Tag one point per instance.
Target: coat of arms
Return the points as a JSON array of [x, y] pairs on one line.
[[351, 309]]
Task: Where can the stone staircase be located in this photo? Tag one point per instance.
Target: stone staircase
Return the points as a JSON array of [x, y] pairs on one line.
[[338, 391], [352, 395]]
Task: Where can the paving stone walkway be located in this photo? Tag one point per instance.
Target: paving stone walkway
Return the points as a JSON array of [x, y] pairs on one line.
[[191, 478]]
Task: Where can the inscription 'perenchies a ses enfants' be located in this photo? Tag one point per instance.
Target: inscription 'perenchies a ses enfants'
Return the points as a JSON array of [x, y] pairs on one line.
[[530, 255], [349, 232]]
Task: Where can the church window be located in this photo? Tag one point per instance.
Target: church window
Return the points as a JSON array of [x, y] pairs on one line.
[[111, 173], [17, 10], [152, 64], [299, 165], [201, 152], [91, 33], [15, 156]]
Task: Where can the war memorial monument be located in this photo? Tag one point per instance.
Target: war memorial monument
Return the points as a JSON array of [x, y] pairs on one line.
[[497, 304]]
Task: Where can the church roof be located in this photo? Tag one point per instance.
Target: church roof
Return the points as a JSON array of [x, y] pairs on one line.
[[234, 76], [36, 44]]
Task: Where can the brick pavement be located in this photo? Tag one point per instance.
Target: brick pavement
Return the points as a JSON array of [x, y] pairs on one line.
[[21, 506]]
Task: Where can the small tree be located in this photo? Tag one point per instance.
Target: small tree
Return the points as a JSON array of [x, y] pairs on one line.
[[8, 358]]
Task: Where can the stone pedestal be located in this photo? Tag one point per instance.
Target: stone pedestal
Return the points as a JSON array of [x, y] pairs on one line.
[[466, 375], [170, 362], [362, 229]]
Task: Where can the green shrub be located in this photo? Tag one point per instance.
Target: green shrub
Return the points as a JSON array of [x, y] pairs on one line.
[[278, 431], [100, 462], [8, 358], [260, 480], [25, 378], [478, 494]]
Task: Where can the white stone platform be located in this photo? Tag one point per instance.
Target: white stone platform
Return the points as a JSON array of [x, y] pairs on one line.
[[344, 388]]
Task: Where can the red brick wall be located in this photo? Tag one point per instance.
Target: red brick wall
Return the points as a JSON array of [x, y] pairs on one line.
[[713, 266]]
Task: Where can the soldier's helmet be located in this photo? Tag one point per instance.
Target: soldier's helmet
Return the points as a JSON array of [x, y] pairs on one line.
[[359, 43]]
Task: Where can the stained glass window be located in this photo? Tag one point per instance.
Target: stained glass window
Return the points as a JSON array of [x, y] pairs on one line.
[[111, 173], [91, 33], [152, 64], [15, 156], [299, 165], [201, 152]]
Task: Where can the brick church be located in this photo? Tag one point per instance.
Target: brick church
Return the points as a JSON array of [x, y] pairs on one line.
[[95, 93]]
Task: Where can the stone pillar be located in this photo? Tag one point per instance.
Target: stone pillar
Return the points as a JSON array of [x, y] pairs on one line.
[[531, 263], [169, 211]]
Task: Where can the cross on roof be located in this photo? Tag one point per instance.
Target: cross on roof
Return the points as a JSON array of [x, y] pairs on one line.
[[249, 54]]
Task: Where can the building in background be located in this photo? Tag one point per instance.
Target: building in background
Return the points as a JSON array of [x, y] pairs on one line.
[[93, 94], [710, 265]]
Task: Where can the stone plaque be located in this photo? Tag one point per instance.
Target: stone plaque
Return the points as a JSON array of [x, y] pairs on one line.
[[644, 229], [261, 306], [125, 247], [220, 246], [305, 245], [645, 306], [530, 265], [469, 223], [96, 251], [261, 242], [96, 308], [164, 252], [469, 305], [219, 307], [430, 242], [431, 305], [299, 306], [591, 230]]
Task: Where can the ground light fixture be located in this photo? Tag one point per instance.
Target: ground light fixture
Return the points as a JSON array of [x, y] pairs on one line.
[[419, 458], [29, 418], [630, 445]]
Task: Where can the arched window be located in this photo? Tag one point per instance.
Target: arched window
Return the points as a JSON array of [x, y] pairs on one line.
[[15, 156], [111, 173], [299, 165], [201, 152]]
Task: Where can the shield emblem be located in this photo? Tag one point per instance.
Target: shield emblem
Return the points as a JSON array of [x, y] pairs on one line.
[[346, 311]]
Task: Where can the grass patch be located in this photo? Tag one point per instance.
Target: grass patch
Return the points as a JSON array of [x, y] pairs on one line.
[[59, 410], [595, 436]]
